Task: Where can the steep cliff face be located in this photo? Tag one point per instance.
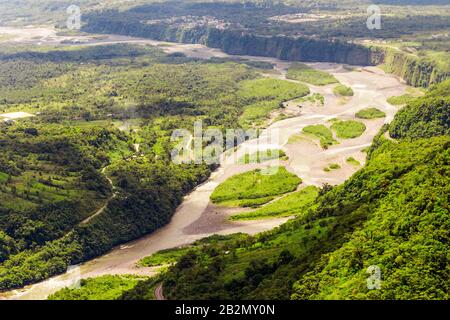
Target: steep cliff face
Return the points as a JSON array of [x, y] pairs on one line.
[[242, 43], [415, 71], [285, 48]]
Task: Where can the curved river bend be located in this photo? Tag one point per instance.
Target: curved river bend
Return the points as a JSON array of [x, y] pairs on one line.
[[196, 217]]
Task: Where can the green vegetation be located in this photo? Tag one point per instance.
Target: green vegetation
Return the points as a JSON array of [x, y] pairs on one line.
[[36, 178], [163, 257], [304, 73], [341, 90], [4, 177], [424, 117], [322, 132], [370, 113], [130, 82], [420, 64], [401, 100], [296, 138], [263, 37], [262, 65], [342, 237], [256, 114], [262, 96], [348, 129], [93, 104], [406, 250], [271, 89], [353, 162], [130, 287], [413, 42], [332, 166], [255, 185], [170, 256], [293, 204], [315, 98], [391, 213], [54, 166], [101, 288], [262, 156]]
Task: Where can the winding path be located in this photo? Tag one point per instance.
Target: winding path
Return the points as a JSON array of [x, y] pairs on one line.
[[100, 211], [159, 292]]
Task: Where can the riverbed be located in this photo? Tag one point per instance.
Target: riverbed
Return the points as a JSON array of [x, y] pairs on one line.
[[196, 217]]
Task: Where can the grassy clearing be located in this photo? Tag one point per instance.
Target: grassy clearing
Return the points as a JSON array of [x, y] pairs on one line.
[[257, 113], [332, 166], [170, 256], [262, 96], [102, 288], [270, 89], [252, 186], [315, 98], [348, 129], [335, 166], [163, 257], [282, 116], [247, 203], [410, 95], [292, 204], [44, 185], [243, 257], [296, 138], [370, 113], [341, 90], [262, 156], [323, 133], [3, 177], [15, 203], [353, 162], [401, 100], [302, 72], [270, 251]]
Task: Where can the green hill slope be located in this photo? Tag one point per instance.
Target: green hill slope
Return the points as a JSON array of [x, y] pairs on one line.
[[393, 214]]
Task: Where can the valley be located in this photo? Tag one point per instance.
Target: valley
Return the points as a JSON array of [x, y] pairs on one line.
[[306, 159], [224, 150]]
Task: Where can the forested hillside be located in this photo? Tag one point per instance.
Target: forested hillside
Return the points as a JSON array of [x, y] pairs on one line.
[[91, 167], [393, 214], [86, 123]]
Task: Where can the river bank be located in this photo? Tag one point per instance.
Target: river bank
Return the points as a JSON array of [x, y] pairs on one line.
[[307, 159]]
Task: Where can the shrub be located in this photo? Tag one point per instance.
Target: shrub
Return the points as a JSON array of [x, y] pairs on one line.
[[370, 113], [341, 90], [348, 129]]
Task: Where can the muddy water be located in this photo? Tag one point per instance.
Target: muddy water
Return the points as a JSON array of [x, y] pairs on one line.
[[194, 219]]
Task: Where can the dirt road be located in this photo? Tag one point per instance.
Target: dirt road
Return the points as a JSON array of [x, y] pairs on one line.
[[159, 293]]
